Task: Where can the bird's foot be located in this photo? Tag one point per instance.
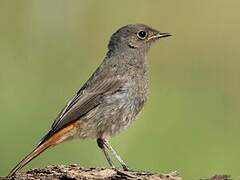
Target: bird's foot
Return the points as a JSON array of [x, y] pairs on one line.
[[125, 167]]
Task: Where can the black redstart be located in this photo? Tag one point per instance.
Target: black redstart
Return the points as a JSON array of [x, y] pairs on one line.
[[112, 97]]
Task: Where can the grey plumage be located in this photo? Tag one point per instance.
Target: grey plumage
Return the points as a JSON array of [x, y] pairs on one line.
[[113, 96]]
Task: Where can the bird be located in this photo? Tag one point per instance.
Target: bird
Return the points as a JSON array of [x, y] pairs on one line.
[[110, 99]]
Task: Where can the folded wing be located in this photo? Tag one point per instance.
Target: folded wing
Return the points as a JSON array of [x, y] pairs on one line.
[[85, 100]]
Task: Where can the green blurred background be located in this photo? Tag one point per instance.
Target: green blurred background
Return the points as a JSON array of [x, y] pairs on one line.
[[48, 49]]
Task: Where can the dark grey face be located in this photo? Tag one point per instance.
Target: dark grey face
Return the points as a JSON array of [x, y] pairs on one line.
[[135, 36]]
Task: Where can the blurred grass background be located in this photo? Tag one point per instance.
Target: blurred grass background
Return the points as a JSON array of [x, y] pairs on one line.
[[48, 49]]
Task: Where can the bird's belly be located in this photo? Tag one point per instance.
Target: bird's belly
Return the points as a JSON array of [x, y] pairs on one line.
[[111, 117]]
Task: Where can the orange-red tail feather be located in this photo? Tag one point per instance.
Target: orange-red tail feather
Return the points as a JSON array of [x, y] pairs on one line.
[[56, 138], [28, 158]]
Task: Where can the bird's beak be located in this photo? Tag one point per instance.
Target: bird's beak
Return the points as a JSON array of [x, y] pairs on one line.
[[162, 35], [159, 35]]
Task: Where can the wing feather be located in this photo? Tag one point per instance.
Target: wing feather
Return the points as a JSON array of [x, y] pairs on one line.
[[84, 101]]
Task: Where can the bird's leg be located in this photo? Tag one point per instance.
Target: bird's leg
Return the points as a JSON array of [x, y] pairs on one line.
[[100, 143], [108, 145]]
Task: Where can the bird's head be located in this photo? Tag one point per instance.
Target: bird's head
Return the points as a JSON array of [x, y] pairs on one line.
[[134, 36]]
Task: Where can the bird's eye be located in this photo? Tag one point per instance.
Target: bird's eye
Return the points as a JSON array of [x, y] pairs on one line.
[[142, 34]]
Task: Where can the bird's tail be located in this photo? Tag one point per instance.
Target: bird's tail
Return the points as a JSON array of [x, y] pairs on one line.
[[56, 138], [29, 157]]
